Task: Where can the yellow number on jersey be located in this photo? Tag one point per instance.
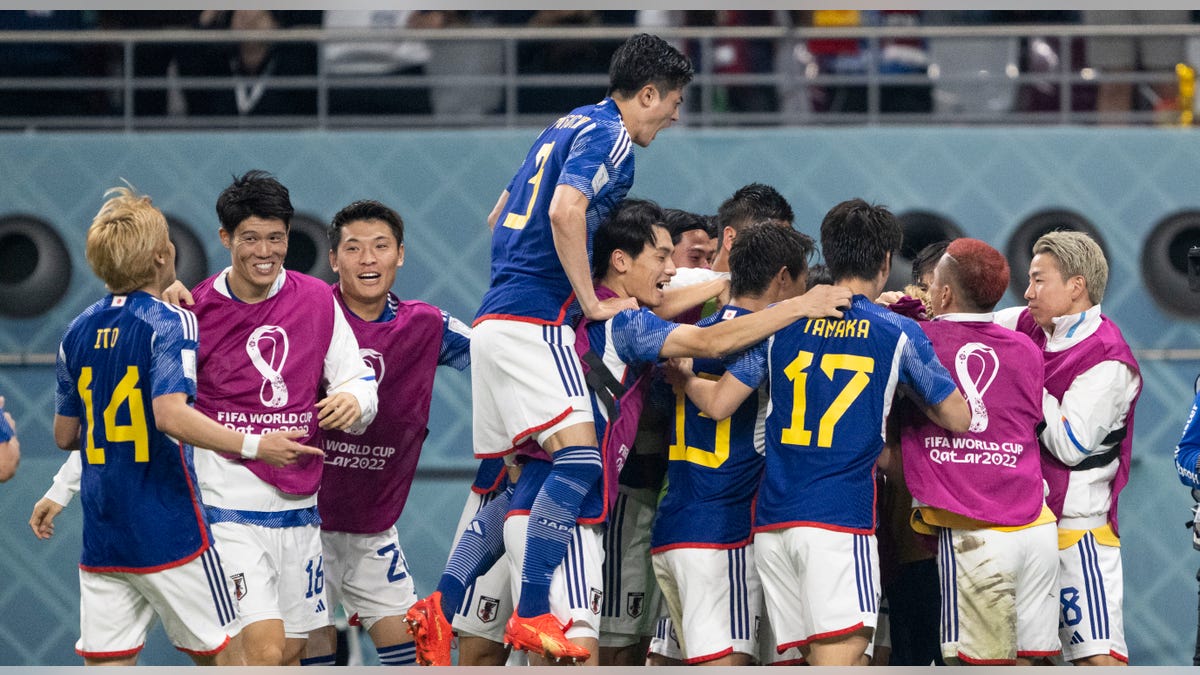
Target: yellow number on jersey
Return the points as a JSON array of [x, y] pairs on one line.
[[126, 392], [680, 450], [795, 371], [517, 222]]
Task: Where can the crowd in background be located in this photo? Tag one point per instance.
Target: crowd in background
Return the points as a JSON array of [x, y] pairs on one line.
[[252, 69]]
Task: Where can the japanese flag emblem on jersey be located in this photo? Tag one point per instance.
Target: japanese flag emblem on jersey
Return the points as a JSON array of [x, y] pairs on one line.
[[239, 585], [597, 596], [634, 603], [487, 609]]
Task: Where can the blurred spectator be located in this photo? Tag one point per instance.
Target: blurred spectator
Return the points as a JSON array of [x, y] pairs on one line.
[[849, 56], [360, 58], [252, 65], [49, 60], [741, 56], [1041, 54], [562, 57], [1124, 54], [151, 59], [450, 58]]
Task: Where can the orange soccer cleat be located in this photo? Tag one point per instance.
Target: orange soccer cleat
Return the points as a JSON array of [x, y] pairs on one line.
[[430, 630], [544, 635]]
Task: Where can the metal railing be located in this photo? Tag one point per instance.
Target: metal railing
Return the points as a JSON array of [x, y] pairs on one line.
[[980, 81]]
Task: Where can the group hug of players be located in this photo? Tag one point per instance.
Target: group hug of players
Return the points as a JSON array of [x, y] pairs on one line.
[[712, 442]]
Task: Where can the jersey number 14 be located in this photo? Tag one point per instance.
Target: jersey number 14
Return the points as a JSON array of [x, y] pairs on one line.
[[126, 393]]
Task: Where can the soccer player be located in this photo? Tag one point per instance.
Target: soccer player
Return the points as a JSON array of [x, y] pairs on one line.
[[981, 492], [403, 342], [831, 384], [632, 259], [1092, 385], [274, 340], [126, 374], [526, 382], [750, 204], [10, 447], [705, 565]]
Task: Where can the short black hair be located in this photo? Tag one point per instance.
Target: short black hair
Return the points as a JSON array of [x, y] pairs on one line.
[[856, 238], [629, 228], [647, 59], [679, 221], [255, 193], [753, 203], [760, 250], [927, 259], [818, 274], [364, 209]]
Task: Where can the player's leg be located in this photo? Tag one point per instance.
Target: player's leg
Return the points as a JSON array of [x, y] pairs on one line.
[[476, 549], [377, 587], [321, 647], [1091, 590], [1037, 595], [114, 619], [250, 564], [195, 606], [631, 594], [576, 594], [527, 382], [486, 601]]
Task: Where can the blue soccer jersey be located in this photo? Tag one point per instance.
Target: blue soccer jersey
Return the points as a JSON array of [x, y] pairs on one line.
[[589, 150], [141, 502], [831, 386], [714, 467]]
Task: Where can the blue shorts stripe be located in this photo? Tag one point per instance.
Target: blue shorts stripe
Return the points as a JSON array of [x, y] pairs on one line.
[[1088, 593], [217, 586]]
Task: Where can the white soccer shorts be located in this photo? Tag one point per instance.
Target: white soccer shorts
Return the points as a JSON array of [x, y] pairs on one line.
[[1091, 589], [577, 587], [665, 641], [999, 594], [526, 382], [818, 583], [368, 575], [631, 596], [714, 594], [276, 573], [117, 610]]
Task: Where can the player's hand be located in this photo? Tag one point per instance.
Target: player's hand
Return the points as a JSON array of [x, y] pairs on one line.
[[177, 294], [279, 448], [823, 301], [607, 309], [42, 520], [889, 297], [677, 372], [338, 411]]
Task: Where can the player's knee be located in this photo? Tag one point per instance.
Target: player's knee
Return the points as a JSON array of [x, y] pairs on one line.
[[581, 462]]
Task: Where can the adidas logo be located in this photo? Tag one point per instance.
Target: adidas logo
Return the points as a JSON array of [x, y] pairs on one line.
[[321, 607], [1076, 638]]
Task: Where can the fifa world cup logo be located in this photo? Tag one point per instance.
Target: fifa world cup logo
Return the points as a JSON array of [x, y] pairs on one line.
[[374, 361], [268, 350], [980, 359]]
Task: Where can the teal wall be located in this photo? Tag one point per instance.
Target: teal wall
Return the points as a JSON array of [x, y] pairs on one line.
[[444, 183]]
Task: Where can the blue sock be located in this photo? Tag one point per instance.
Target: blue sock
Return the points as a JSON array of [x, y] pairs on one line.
[[330, 660], [479, 547], [552, 520], [404, 654]]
